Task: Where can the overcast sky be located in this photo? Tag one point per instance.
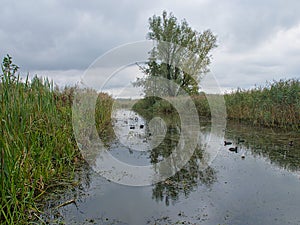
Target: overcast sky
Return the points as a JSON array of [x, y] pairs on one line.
[[257, 40]]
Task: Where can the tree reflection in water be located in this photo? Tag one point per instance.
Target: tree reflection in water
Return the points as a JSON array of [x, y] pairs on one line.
[[185, 180]]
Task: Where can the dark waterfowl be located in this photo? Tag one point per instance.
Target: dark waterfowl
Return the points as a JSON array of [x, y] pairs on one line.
[[240, 140], [227, 143], [291, 143], [233, 149]]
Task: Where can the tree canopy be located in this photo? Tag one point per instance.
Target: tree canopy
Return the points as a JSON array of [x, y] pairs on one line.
[[181, 54]]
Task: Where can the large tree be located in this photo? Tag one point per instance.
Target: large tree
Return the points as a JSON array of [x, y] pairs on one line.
[[181, 54]]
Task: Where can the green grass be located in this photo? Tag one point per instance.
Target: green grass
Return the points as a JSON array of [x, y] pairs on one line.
[[37, 145]]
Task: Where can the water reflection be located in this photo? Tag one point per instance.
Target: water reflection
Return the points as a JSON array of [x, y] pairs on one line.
[[261, 188], [186, 179], [272, 144], [168, 146], [159, 137]]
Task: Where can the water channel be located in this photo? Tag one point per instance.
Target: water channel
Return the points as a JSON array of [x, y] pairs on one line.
[[257, 184]]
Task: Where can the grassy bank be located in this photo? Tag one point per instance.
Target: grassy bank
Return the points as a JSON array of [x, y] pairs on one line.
[[275, 105], [38, 149]]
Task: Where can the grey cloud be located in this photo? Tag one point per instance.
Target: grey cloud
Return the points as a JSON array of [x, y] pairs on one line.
[[65, 35], [241, 25], [68, 35]]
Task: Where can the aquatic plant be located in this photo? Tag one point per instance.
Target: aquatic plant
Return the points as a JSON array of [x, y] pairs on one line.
[[37, 145]]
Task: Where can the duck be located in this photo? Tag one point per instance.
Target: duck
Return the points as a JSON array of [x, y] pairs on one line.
[[233, 149], [240, 140], [227, 143], [291, 143]]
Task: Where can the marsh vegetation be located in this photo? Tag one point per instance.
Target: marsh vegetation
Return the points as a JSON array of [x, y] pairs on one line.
[[38, 149]]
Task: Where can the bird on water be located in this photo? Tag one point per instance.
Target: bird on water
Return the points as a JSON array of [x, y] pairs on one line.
[[233, 149], [227, 143]]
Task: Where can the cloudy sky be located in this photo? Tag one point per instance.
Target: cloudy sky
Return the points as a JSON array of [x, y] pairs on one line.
[[257, 40]]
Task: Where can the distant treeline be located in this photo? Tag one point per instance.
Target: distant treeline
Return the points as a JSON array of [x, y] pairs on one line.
[[275, 105]]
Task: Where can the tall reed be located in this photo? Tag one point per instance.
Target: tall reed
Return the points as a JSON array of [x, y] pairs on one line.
[[37, 145], [104, 105], [275, 105]]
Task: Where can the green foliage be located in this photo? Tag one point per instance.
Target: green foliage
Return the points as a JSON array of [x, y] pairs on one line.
[[154, 106], [37, 145], [181, 55], [275, 105], [103, 112], [202, 106], [9, 69]]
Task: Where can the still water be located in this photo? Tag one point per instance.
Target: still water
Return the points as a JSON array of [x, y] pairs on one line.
[[258, 184]]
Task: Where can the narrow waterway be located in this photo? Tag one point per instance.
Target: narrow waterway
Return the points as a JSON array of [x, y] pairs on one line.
[[257, 184]]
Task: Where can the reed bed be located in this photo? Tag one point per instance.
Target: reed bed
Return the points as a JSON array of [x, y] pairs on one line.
[[277, 104], [37, 145], [104, 107]]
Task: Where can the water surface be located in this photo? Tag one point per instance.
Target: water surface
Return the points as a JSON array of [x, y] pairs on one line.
[[262, 187]]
